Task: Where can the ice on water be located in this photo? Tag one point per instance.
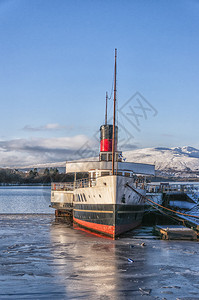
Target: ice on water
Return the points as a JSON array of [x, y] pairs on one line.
[[42, 259]]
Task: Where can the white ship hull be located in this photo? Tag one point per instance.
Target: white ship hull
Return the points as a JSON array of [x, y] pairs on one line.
[[106, 206]]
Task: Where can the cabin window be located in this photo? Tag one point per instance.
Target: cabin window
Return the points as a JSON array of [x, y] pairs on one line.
[[103, 157], [78, 198], [81, 198], [110, 157], [100, 196], [104, 173], [84, 197]]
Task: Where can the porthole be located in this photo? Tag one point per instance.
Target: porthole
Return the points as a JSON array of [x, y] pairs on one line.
[[123, 199]]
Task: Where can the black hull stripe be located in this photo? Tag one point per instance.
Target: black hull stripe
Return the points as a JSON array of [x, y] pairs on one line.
[[129, 212], [109, 207], [95, 211], [107, 214]]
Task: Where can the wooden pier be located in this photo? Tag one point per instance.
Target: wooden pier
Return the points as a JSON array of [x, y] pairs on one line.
[[175, 232]]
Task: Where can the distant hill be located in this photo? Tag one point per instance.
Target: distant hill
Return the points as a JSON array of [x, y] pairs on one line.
[[177, 161]]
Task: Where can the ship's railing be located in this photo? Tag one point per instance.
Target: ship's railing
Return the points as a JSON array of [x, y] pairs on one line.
[[82, 183], [70, 186], [62, 186], [90, 182]]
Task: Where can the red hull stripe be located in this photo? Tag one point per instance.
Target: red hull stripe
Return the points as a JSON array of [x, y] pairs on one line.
[[106, 229]]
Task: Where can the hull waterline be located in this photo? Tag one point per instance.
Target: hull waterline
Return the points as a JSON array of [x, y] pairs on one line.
[[109, 220]]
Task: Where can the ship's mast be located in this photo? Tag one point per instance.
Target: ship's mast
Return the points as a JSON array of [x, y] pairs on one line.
[[106, 108], [114, 113]]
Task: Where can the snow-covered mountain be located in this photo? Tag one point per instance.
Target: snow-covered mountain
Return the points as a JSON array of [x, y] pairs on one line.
[[178, 161], [171, 161]]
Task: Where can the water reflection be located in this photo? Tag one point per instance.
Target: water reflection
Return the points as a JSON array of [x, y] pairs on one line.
[[40, 259], [86, 264], [96, 268], [93, 267]]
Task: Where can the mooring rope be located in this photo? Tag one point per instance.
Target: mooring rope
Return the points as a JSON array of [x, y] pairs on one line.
[[171, 210]]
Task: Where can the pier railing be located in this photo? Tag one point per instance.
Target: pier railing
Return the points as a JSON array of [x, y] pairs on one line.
[[166, 188]]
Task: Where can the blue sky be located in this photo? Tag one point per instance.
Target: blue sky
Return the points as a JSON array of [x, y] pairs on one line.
[[56, 63]]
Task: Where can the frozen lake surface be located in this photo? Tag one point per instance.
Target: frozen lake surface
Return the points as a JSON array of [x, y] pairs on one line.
[[42, 259]]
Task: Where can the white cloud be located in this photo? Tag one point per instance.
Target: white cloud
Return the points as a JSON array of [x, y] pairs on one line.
[[53, 126], [21, 152], [47, 127]]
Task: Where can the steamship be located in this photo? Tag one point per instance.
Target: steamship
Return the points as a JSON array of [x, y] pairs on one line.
[[108, 201]]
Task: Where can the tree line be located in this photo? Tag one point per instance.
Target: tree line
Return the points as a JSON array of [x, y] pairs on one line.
[[35, 176]]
